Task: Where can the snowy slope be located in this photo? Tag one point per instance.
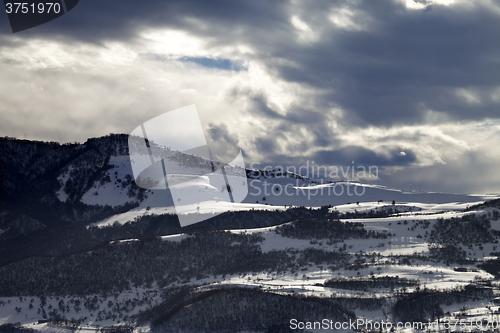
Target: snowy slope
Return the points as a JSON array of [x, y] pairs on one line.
[[112, 183], [404, 228], [374, 197]]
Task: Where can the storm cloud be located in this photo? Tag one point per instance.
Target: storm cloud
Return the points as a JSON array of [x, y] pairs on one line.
[[405, 85]]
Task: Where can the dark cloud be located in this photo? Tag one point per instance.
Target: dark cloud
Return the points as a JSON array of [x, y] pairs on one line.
[[260, 108], [96, 21], [397, 66], [223, 143], [220, 132], [471, 173], [387, 66], [365, 157], [265, 146]]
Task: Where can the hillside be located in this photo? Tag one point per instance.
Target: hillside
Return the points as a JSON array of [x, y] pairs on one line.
[[82, 247], [401, 265]]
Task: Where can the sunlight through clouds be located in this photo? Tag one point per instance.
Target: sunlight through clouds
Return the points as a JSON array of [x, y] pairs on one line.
[[287, 80]]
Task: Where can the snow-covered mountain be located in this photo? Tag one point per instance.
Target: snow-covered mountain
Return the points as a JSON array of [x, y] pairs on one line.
[[54, 184], [82, 247]]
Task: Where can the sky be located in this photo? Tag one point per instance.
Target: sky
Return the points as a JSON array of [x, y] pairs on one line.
[[409, 87]]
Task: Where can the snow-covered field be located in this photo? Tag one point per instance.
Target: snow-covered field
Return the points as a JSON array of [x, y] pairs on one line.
[[406, 239], [26, 310], [404, 253]]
